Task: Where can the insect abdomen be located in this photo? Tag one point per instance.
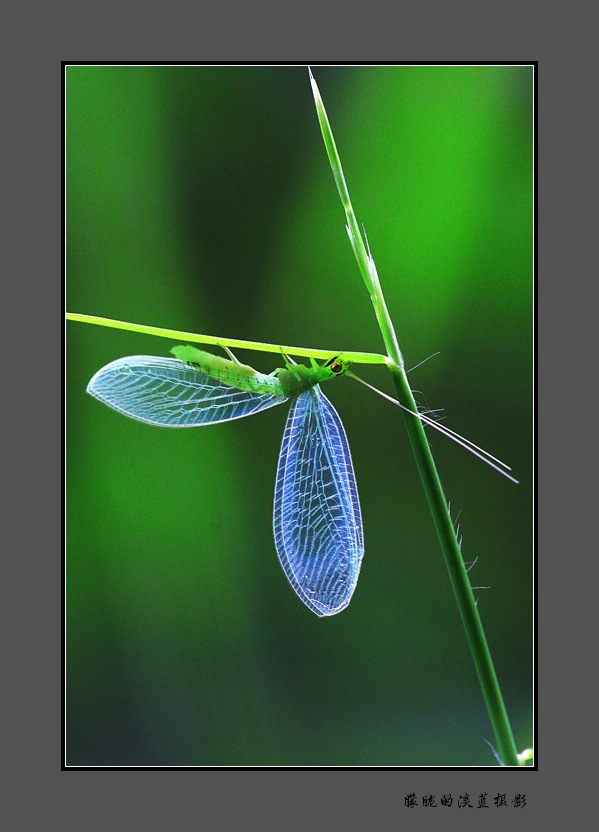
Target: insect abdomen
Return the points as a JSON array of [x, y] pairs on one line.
[[241, 376]]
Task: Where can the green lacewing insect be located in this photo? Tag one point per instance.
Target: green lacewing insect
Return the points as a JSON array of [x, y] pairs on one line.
[[317, 520]]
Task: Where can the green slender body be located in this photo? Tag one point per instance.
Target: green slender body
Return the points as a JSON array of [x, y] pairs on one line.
[[287, 382]]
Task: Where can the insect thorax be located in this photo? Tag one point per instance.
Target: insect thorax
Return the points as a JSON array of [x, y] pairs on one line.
[[297, 378]]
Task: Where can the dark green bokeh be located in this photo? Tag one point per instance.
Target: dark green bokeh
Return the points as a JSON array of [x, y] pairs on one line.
[[200, 198]]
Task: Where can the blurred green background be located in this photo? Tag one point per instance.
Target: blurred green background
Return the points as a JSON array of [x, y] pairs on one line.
[[200, 198]]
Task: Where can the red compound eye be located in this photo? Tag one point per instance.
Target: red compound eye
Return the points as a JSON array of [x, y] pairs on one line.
[[335, 366]]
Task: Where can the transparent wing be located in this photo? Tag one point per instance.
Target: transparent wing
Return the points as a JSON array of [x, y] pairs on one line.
[[317, 519], [167, 392]]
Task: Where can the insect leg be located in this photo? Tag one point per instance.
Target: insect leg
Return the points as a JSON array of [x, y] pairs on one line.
[[230, 354], [291, 365]]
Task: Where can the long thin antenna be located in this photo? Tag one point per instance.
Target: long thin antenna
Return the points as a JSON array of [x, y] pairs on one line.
[[483, 455], [420, 363]]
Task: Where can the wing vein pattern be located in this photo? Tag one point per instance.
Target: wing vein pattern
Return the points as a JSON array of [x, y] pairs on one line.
[[317, 518], [170, 393]]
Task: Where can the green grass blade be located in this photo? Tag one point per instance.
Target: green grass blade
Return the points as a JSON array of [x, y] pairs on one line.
[[235, 343]]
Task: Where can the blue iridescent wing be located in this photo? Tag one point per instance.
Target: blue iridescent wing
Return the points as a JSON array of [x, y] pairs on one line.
[[169, 393], [317, 519]]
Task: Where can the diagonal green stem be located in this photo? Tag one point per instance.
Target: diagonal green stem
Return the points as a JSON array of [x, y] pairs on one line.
[[424, 460], [457, 573]]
